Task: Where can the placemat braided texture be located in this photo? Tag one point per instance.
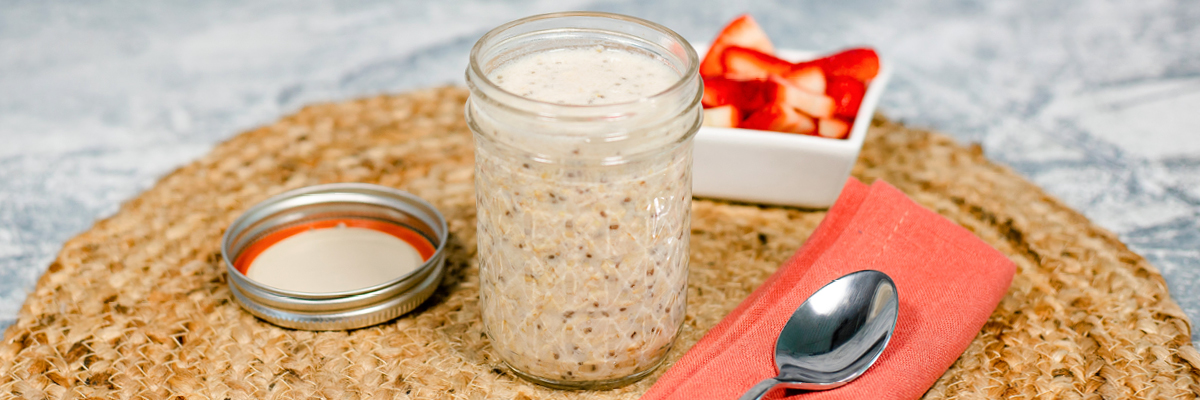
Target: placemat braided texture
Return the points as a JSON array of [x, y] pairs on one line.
[[138, 306]]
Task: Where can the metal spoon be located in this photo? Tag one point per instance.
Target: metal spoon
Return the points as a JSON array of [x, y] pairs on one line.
[[835, 335]]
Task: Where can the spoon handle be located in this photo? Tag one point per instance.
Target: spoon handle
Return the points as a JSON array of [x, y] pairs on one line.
[[759, 390]]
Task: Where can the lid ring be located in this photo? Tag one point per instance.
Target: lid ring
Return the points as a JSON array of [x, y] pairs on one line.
[[346, 309]]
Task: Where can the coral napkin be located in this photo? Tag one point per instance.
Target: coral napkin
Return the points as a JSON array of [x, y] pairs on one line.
[[948, 282]]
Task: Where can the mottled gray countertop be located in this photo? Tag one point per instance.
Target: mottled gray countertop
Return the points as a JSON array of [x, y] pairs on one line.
[[1094, 101]]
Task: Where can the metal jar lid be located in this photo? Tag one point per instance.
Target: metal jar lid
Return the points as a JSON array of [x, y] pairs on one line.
[[336, 310]]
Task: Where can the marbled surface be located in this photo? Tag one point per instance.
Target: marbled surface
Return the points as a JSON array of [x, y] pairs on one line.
[[1094, 101]]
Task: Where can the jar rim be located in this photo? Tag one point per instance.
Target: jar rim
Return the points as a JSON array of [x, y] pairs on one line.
[[686, 78]]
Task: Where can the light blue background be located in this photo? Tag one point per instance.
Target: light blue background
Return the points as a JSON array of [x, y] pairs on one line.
[[1094, 101]]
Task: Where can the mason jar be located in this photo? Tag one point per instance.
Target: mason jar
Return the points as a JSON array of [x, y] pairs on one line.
[[583, 202]]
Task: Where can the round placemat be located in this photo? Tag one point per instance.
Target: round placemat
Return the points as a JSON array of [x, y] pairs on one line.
[[139, 306]]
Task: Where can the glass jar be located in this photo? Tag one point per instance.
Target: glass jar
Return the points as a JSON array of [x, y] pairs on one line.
[[583, 210]]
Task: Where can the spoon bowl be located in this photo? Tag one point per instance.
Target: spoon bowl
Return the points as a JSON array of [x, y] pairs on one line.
[[836, 335]]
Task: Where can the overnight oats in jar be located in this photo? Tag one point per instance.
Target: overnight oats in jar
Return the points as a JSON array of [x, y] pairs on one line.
[[583, 128]]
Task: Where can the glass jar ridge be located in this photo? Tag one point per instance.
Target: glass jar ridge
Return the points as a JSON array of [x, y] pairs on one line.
[[583, 210]]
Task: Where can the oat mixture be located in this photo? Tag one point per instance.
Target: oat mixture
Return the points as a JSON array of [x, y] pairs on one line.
[[583, 273], [583, 266]]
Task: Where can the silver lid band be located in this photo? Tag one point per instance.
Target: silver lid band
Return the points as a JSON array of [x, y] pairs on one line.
[[339, 310]]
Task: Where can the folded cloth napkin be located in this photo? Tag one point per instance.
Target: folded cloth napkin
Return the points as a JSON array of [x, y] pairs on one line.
[[948, 282]]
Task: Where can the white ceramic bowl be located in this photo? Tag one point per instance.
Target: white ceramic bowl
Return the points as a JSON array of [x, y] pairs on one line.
[[781, 168]]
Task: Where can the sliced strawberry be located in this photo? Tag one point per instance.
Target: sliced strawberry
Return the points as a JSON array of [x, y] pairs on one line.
[[847, 94], [836, 128], [726, 116], [720, 91], [745, 95], [741, 32], [814, 104], [745, 63], [861, 64], [808, 76], [779, 117]]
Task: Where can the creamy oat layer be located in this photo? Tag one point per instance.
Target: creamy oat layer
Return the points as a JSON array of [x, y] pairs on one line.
[[584, 76]]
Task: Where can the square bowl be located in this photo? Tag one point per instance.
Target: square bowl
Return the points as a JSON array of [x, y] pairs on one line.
[[780, 168]]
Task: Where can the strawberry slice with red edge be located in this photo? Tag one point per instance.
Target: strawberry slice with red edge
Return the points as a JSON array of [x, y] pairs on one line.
[[743, 79], [807, 75], [726, 116], [744, 32], [745, 95], [847, 94], [744, 63], [835, 128], [814, 104], [860, 63], [779, 117]]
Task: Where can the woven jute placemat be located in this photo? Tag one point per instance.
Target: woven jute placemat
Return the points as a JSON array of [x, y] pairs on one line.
[[138, 306]]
